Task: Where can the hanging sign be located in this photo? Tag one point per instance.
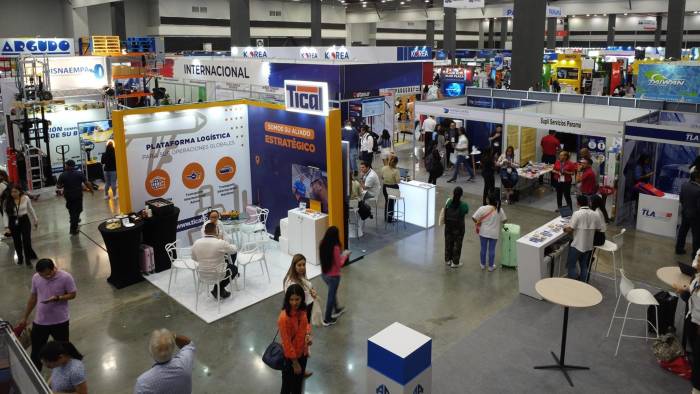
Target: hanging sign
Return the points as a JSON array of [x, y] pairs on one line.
[[647, 24], [258, 52], [308, 53], [81, 72], [464, 3], [550, 12], [337, 53], [36, 46], [306, 97], [230, 70]]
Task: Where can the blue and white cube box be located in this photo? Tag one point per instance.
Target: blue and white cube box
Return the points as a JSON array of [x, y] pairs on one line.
[[399, 361]]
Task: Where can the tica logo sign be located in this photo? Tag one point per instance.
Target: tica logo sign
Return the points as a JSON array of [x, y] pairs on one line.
[[306, 97]]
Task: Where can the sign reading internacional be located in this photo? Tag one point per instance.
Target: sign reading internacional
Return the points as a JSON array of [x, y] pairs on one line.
[[236, 70], [36, 46]]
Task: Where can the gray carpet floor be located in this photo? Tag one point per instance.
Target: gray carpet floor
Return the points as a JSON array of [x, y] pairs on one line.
[[498, 357]]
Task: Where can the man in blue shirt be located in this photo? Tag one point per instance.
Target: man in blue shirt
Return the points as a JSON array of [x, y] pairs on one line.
[[72, 181], [171, 374]]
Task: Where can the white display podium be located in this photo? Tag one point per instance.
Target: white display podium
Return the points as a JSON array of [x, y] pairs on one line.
[[531, 264], [658, 215], [420, 202], [304, 233], [399, 361]]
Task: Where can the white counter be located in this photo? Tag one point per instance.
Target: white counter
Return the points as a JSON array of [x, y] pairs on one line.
[[658, 215], [420, 202], [305, 232], [531, 265]]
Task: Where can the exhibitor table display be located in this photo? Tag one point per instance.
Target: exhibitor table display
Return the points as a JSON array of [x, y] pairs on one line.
[[161, 229], [658, 215], [420, 202], [122, 236], [303, 230], [531, 252], [568, 293]]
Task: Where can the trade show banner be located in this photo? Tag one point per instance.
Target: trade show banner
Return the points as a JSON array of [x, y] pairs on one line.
[[288, 161], [196, 156], [670, 82], [63, 131], [233, 70], [36, 46], [78, 72]]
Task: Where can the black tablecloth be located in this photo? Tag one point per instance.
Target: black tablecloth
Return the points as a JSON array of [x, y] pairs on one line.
[[123, 250], [159, 231]]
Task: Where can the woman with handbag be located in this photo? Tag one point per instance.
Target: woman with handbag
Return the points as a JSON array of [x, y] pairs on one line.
[[20, 216], [297, 275], [489, 219], [295, 332]]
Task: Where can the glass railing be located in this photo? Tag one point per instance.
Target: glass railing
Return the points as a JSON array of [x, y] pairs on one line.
[[18, 375]]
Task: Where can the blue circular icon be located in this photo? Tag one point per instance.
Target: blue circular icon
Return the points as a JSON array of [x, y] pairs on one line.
[[453, 89], [99, 71]]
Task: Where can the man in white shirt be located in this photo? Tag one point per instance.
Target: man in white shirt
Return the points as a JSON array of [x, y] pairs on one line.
[[210, 252], [370, 181], [583, 225], [429, 125], [366, 144], [172, 372]]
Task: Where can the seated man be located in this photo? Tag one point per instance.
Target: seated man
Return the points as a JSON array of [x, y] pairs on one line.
[[170, 374], [211, 251], [213, 217]]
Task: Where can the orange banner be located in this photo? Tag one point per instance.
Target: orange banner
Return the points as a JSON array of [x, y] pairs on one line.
[[291, 131]]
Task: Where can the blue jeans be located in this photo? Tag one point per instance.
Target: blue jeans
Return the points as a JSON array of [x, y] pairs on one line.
[[354, 157], [333, 282], [111, 181], [462, 160], [490, 245], [583, 259], [509, 180]]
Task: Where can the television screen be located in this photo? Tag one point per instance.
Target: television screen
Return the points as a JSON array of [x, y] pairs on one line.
[[310, 183], [453, 89], [567, 73], [97, 131]]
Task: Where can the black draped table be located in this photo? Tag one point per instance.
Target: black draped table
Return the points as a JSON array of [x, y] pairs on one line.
[[123, 250], [158, 231]]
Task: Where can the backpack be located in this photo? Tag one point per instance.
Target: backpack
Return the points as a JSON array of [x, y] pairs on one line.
[[452, 216], [375, 141]]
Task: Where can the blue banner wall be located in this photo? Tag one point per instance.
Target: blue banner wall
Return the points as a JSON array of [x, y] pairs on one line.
[[307, 72], [276, 145], [669, 82], [364, 77]]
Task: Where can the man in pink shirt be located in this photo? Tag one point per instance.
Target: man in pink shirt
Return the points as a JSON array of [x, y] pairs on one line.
[[51, 290]]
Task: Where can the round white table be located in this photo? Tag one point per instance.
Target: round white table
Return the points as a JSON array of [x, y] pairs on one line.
[[673, 276], [568, 293]]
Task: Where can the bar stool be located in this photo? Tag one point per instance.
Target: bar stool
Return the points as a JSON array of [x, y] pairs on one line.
[[399, 211], [373, 202], [353, 209], [613, 248]]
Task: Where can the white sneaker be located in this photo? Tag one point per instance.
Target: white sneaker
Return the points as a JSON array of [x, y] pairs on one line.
[[448, 262], [116, 197], [338, 314], [453, 265], [106, 196], [483, 266], [491, 268]]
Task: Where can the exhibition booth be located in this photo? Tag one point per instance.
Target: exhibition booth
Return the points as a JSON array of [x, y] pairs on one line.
[[671, 142], [227, 156]]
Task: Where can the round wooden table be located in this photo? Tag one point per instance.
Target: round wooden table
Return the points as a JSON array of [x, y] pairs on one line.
[[672, 276], [568, 293]]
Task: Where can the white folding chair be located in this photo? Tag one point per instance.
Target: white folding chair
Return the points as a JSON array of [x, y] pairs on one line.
[[210, 276], [180, 259], [613, 247], [253, 252], [642, 297]]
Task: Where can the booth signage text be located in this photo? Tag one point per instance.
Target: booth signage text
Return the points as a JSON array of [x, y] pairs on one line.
[[230, 70], [559, 122], [669, 82], [414, 53], [308, 53], [36, 46], [82, 72], [306, 97], [678, 136], [550, 12], [258, 52], [337, 53]]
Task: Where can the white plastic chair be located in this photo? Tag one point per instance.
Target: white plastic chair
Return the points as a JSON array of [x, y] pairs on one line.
[[642, 297], [399, 211], [180, 259], [256, 224], [210, 276], [253, 252], [614, 248]]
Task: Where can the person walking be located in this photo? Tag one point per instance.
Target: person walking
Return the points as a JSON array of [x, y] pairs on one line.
[[391, 177], [462, 152], [72, 182], [4, 184], [20, 217], [508, 171], [109, 167], [583, 225], [562, 174], [429, 125], [295, 332], [51, 290], [433, 164], [332, 259], [488, 171], [450, 142], [455, 211], [691, 295], [690, 213], [495, 140], [67, 368], [489, 219], [172, 372]]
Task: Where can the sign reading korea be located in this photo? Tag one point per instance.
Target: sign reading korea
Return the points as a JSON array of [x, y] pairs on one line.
[[36, 46], [241, 71], [306, 97]]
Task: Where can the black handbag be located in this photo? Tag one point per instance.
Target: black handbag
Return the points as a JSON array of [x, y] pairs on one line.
[[274, 354], [598, 238], [364, 210]]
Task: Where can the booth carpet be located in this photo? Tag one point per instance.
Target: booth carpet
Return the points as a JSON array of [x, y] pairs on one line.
[[499, 355], [257, 287]]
